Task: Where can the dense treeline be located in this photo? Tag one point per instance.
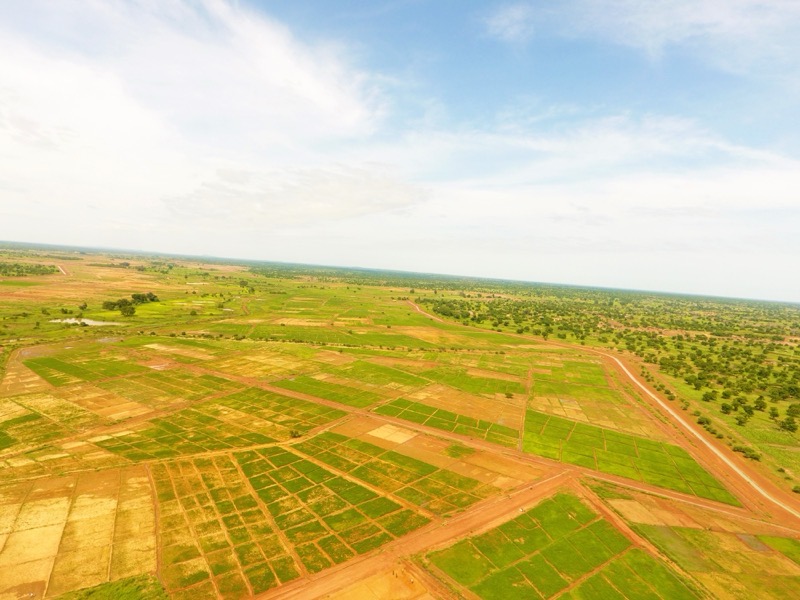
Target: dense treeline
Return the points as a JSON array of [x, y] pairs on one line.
[[9, 269], [742, 355]]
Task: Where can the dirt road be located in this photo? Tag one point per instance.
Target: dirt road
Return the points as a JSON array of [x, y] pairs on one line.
[[481, 517], [754, 483]]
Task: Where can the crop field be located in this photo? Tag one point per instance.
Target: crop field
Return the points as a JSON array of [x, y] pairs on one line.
[[416, 412], [249, 418], [462, 380], [328, 518], [64, 533], [159, 388], [380, 375], [612, 452], [62, 371], [301, 432], [31, 420], [437, 490], [330, 391], [241, 525], [732, 564], [586, 391], [558, 546]]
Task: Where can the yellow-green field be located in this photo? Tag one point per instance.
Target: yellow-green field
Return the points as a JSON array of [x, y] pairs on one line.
[[286, 432]]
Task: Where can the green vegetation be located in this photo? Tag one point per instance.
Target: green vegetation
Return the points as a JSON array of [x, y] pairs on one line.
[[543, 551], [221, 385], [144, 587], [617, 453], [330, 391], [437, 490], [766, 564], [416, 412], [9, 269], [328, 518]]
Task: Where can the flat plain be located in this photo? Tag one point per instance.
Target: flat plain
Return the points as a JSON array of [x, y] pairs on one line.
[[287, 432]]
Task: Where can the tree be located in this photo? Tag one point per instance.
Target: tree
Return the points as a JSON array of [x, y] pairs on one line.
[[127, 310], [788, 424]]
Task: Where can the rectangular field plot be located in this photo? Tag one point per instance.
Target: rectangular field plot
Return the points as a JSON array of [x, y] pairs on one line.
[[423, 414], [63, 370], [263, 364], [330, 391], [73, 532], [730, 564], [160, 388], [215, 537], [31, 420], [248, 418], [439, 491], [599, 405], [380, 375], [560, 369], [652, 462], [542, 552], [461, 380], [327, 518]]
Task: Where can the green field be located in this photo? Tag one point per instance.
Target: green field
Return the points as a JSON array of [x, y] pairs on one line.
[[330, 391], [620, 454], [417, 412], [249, 418], [437, 490], [260, 424], [552, 546]]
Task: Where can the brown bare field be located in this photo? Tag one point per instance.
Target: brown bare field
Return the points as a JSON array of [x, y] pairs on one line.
[[67, 533]]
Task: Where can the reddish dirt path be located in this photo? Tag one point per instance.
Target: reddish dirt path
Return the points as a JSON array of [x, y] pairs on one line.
[[717, 458], [480, 517]]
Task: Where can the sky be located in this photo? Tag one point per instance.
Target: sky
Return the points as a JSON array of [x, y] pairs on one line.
[[615, 143]]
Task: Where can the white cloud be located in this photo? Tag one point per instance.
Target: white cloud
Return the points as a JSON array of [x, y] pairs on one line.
[[738, 35], [154, 98], [206, 128], [511, 23]]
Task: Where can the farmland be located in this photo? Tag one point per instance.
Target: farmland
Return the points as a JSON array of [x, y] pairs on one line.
[[286, 431]]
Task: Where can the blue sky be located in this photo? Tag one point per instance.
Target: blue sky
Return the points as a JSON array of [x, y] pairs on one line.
[[626, 143]]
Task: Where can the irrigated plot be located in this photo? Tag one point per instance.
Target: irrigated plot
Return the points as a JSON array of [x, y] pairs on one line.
[[32, 420], [729, 564], [380, 375], [598, 405], [74, 532], [417, 412], [551, 548], [461, 380], [65, 368], [330, 391], [103, 403], [215, 537], [502, 410], [437, 490], [247, 418], [161, 388], [327, 518], [620, 454], [264, 364]]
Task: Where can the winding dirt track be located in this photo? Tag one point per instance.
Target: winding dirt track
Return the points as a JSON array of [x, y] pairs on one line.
[[677, 417], [754, 483]]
